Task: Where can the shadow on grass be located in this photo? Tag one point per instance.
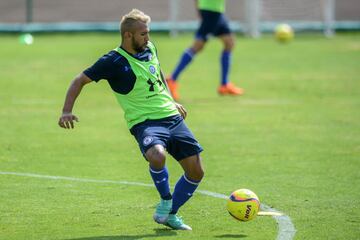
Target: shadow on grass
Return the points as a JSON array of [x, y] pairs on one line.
[[231, 236], [158, 234]]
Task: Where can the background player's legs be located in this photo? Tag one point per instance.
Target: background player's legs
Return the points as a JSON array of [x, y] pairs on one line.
[[228, 43], [184, 61], [226, 87], [187, 57]]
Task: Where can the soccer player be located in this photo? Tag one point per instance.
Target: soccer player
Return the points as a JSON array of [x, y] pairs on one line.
[[154, 119], [213, 22]]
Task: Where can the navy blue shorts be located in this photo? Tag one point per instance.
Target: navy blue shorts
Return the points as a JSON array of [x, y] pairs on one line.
[[170, 132], [212, 23]]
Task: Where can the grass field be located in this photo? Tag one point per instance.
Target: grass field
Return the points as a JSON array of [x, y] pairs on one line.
[[293, 138]]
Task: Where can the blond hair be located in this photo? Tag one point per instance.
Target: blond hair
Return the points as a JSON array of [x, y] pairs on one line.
[[128, 20]]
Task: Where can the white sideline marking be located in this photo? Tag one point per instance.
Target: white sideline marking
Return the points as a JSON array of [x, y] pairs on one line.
[[286, 228]]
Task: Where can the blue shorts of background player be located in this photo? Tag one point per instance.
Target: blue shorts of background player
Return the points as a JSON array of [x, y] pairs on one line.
[[212, 23]]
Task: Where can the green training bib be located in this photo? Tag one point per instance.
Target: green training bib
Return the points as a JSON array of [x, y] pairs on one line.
[[149, 99]]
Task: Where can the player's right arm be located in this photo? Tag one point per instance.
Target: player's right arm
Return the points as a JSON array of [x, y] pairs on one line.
[[67, 118]]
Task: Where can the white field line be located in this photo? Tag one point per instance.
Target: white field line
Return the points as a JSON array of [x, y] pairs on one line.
[[286, 228]]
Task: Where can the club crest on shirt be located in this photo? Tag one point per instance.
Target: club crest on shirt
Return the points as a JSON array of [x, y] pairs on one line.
[[147, 140], [152, 69]]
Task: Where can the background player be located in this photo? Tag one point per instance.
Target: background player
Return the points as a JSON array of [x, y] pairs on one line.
[[213, 22]]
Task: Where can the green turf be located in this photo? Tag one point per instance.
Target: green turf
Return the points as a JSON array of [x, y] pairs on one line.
[[294, 139]]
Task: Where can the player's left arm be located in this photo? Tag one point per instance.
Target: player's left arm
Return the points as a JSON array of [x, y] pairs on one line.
[[179, 107]]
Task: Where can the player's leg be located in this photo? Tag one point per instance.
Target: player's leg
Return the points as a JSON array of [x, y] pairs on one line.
[[225, 59], [187, 57], [184, 61], [152, 137], [187, 184], [186, 150], [184, 189], [228, 40], [207, 26], [159, 173]]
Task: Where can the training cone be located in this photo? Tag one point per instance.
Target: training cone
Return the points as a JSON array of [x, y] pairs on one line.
[[26, 39]]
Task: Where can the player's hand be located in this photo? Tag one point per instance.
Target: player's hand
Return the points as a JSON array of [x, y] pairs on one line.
[[67, 120], [181, 110]]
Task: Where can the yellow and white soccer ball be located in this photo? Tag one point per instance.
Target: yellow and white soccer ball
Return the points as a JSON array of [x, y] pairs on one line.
[[243, 205], [284, 33]]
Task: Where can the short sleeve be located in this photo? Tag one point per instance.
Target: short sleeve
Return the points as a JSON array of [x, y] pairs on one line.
[[115, 69], [100, 69]]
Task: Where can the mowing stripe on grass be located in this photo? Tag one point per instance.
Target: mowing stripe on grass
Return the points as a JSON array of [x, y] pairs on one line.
[[286, 228]]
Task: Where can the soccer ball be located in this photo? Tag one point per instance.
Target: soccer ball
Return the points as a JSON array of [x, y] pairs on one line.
[[243, 205], [284, 33]]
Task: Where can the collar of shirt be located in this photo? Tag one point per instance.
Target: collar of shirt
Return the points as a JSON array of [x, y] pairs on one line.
[[144, 56]]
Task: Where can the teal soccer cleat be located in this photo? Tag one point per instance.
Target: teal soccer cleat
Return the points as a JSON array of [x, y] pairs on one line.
[[176, 223], [162, 211]]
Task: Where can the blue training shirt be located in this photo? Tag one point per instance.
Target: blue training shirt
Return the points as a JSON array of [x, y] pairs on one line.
[[116, 69]]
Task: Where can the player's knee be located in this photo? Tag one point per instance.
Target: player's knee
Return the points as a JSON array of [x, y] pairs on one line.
[[196, 174], [198, 46], [156, 156], [198, 49], [200, 173], [229, 46]]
